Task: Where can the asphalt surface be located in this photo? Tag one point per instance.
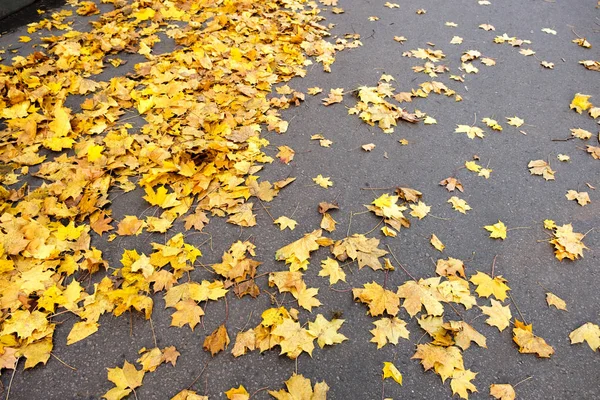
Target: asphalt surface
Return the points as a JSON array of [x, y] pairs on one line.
[[516, 85]]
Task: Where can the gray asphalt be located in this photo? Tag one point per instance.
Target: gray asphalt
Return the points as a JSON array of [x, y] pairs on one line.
[[517, 85]]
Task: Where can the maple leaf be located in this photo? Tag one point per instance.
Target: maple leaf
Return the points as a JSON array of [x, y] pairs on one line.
[[554, 300], [125, 379], [497, 231], [591, 65], [332, 269], [388, 330], [335, 96], [582, 198], [378, 299], [547, 64], [188, 395], [188, 312], [298, 252], [582, 42], [328, 223], [487, 27], [285, 222], [581, 133], [472, 166], [437, 243], [421, 294], [429, 120], [325, 206], [359, 247], [244, 341], [326, 331], [322, 181], [515, 121], [587, 332], [295, 339], [529, 343], [368, 147], [568, 244], [285, 154], [461, 383], [487, 286], [464, 334], [471, 131], [459, 204], [420, 210], [314, 90], [450, 267], [502, 391], [198, 221], [457, 290], [452, 183], [443, 360], [299, 387], [541, 167], [217, 341], [390, 371], [580, 102], [130, 225]]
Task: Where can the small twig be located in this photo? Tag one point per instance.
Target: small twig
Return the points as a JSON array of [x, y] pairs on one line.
[[134, 394], [395, 259], [226, 310], [349, 224], [563, 140], [382, 389], [376, 226], [494, 265], [153, 334], [518, 227], [62, 362], [384, 188], [12, 377], [200, 375], [524, 380], [435, 216], [341, 290], [517, 307], [265, 208], [456, 311], [575, 33], [258, 391]]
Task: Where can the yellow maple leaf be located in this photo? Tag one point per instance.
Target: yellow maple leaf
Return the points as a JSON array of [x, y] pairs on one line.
[[388, 330], [94, 152], [497, 231], [322, 181], [420, 294], [472, 166], [580, 102], [378, 299], [461, 383], [326, 331], [444, 360], [515, 121], [299, 387], [295, 338], [459, 204], [502, 391], [332, 269], [390, 371], [529, 343], [285, 222], [471, 131], [420, 210], [125, 379], [239, 393], [587, 332], [487, 286]]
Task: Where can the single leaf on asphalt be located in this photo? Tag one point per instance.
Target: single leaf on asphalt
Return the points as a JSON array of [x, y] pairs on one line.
[[332, 269], [461, 383], [437, 243], [322, 181], [529, 343], [420, 210], [582, 198], [217, 341], [580, 102], [589, 333], [285, 222], [502, 391], [378, 299], [554, 300], [459, 204], [299, 388], [390, 371], [497, 231]]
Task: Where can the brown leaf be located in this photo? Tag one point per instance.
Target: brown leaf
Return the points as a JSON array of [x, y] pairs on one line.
[[217, 341]]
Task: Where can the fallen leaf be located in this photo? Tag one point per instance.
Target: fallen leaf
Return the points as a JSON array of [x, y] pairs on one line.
[[497, 231], [487, 286], [502, 391], [459, 204], [217, 341], [541, 167], [589, 333], [437, 243], [390, 371], [499, 315], [554, 300], [580, 102], [582, 198], [322, 181], [529, 343], [368, 147], [285, 222]]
